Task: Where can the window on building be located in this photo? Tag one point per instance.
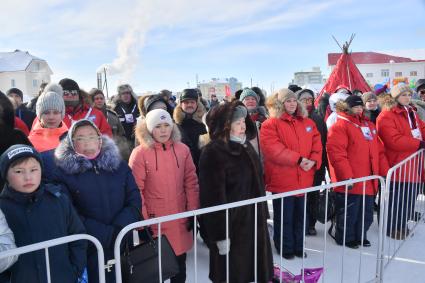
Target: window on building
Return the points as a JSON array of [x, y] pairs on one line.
[[385, 73], [12, 83], [369, 75], [413, 73], [37, 66], [35, 83], [398, 74]]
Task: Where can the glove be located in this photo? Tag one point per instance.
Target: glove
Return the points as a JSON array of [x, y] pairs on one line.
[[349, 186], [190, 224], [222, 247], [421, 145]]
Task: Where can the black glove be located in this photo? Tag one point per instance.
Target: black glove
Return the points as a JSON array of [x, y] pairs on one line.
[[421, 145], [190, 223], [349, 186]]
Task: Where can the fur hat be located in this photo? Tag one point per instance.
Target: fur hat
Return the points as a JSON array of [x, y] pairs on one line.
[[16, 152], [399, 89], [353, 101], [124, 88], [420, 84], [368, 96], [294, 88], [189, 93], [304, 94], [285, 94], [68, 85], [50, 100], [15, 91], [156, 117], [239, 112], [151, 100], [248, 92]]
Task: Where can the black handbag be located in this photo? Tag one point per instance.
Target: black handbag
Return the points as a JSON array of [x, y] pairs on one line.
[[140, 263]]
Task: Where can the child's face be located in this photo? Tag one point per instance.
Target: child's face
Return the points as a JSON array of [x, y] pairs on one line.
[[86, 141], [162, 132], [25, 177]]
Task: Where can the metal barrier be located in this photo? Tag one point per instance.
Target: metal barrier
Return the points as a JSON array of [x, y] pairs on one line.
[[225, 207], [401, 213], [59, 241]]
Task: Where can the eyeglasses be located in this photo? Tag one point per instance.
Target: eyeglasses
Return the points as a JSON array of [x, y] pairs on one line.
[[90, 139], [70, 92]]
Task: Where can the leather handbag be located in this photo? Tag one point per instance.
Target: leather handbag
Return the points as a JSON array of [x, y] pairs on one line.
[[140, 263]]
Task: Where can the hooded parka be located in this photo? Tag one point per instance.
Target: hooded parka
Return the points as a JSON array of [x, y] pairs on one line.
[[395, 133], [353, 155], [284, 140], [168, 184]]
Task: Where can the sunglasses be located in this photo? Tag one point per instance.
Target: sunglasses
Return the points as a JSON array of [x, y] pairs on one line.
[[89, 139], [422, 91], [70, 92]]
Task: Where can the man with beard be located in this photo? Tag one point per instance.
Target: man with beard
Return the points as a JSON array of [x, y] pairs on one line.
[[188, 116]]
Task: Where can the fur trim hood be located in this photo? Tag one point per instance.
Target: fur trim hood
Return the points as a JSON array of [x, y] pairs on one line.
[[146, 140], [276, 107], [387, 102], [67, 159], [179, 115], [342, 106]]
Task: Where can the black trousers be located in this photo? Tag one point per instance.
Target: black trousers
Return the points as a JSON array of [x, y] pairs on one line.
[[181, 276]]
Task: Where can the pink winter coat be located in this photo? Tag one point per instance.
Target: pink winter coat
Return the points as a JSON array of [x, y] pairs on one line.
[[166, 177]]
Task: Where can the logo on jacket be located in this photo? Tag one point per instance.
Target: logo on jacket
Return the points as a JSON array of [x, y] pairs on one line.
[[91, 118], [309, 129]]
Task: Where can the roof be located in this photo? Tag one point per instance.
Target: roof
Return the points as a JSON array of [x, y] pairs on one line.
[[370, 58], [16, 61]]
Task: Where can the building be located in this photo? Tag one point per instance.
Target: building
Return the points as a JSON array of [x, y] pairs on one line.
[[379, 68], [313, 77], [24, 71], [220, 87]]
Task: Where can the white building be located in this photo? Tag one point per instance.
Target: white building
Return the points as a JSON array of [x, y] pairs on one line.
[[220, 87], [378, 68], [313, 77], [24, 71]]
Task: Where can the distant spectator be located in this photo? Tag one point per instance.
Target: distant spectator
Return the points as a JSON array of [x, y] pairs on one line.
[[77, 108], [262, 98], [21, 111], [126, 108], [372, 108]]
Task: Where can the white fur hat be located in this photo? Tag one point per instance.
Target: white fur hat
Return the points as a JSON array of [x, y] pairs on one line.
[[156, 117]]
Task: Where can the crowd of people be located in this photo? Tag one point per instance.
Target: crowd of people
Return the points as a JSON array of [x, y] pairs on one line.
[[77, 162]]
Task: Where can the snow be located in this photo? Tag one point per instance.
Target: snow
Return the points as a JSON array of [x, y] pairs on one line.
[[15, 61], [341, 264]]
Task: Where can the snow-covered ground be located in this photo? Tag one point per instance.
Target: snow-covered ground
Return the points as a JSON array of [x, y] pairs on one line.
[[341, 265]]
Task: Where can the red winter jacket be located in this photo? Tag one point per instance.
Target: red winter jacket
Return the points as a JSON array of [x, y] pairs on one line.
[[283, 141], [353, 156], [395, 133], [87, 112], [19, 124]]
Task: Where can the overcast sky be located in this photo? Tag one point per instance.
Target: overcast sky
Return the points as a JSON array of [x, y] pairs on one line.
[[164, 44]]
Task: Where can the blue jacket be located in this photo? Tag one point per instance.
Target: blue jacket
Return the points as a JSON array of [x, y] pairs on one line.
[[44, 215], [103, 192]]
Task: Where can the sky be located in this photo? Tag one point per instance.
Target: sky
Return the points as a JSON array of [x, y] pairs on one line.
[[154, 45]]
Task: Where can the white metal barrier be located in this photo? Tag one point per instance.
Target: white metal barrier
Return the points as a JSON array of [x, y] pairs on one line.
[[402, 211], [56, 242], [225, 207]]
